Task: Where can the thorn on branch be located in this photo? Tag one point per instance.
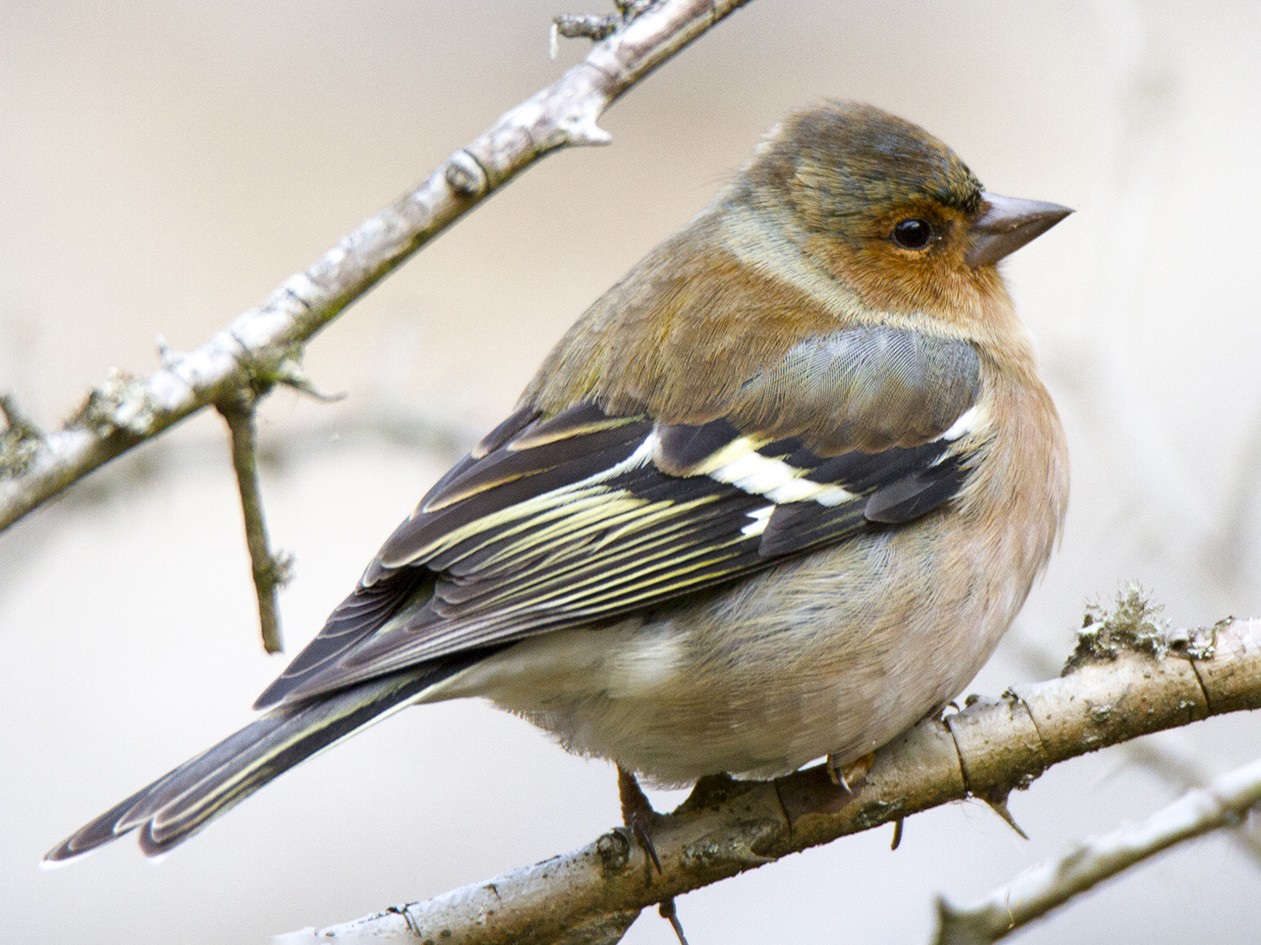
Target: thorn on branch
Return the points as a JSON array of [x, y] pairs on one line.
[[997, 802], [668, 911], [272, 570]]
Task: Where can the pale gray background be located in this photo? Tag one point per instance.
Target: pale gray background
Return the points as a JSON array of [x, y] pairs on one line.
[[164, 164]]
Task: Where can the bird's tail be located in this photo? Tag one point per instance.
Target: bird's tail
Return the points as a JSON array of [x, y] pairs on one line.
[[181, 802]]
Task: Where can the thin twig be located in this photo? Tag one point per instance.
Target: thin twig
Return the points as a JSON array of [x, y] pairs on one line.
[[1045, 886], [271, 570]]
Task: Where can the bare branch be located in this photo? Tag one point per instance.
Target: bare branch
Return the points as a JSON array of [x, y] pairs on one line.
[[727, 827], [271, 570], [1043, 887], [127, 410]]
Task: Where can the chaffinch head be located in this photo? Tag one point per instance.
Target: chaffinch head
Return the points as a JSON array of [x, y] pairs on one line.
[[776, 495]]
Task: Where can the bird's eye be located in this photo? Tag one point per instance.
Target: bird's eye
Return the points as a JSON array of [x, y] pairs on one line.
[[913, 234]]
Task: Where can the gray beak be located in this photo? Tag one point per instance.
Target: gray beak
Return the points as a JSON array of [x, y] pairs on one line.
[[1007, 223]]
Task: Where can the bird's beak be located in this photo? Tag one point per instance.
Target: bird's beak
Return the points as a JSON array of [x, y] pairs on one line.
[[1007, 223]]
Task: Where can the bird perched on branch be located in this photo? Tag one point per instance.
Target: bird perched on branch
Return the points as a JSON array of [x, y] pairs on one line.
[[775, 496]]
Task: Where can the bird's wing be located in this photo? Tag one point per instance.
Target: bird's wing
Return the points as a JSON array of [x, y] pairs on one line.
[[566, 519]]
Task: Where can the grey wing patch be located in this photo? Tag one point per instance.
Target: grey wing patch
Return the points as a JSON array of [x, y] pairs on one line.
[[868, 389]]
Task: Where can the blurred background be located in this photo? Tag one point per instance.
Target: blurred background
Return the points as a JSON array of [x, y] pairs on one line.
[[164, 164]]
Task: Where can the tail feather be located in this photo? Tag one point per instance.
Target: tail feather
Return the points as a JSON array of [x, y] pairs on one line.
[[181, 802]]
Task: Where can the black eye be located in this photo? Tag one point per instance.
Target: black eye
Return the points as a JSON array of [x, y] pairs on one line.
[[912, 234]]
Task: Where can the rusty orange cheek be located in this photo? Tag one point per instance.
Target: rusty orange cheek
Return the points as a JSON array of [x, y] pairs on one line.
[[893, 280]]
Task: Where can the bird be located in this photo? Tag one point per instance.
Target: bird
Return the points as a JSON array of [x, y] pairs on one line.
[[775, 496]]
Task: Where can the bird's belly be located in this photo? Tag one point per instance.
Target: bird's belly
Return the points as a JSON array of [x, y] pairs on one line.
[[796, 664]]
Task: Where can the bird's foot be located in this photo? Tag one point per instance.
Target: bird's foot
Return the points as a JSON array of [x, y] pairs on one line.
[[637, 813], [639, 817]]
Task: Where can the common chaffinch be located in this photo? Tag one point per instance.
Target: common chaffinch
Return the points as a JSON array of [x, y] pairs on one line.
[[775, 496]]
